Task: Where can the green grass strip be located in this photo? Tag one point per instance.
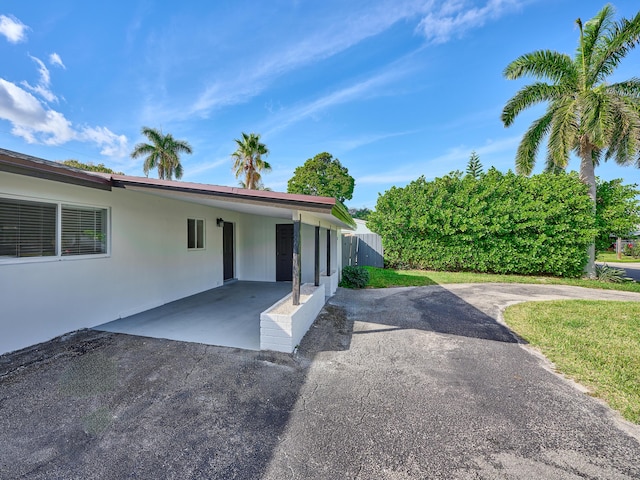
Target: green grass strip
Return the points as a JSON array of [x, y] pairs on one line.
[[384, 278], [611, 257], [597, 343]]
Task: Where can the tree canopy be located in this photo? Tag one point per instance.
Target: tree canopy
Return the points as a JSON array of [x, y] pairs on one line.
[[360, 213], [248, 161], [617, 211], [89, 167], [163, 152], [322, 175], [586, 114]]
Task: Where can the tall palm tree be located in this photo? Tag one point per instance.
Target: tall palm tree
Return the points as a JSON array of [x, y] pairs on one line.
[[585, 114], [247, 160], [163, 152]]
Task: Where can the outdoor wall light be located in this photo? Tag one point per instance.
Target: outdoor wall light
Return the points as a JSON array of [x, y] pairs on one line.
[[219, 222]]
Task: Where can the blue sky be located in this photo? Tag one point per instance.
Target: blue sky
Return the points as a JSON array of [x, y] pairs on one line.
[[393, 88]]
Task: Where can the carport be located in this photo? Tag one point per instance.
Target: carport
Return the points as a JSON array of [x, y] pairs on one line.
[[227, 316]]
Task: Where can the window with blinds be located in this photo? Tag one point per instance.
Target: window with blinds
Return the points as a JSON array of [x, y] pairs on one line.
[[195, 233], [84, 230], [27, 229]]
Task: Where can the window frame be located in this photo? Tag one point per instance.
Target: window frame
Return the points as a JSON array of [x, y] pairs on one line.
[[195, 221], [59, 205]]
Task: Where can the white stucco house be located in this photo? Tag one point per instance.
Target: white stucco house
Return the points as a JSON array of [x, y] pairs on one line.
[[78, 249]]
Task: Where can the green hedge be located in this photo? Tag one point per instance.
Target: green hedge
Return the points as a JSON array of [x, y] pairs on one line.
[[354, 277], [498, 223]]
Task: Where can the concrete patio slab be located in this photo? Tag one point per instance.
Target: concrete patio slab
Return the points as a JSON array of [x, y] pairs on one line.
[[227, 316]]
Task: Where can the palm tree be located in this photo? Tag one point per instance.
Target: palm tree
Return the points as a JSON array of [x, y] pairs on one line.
[[585, 114], [248, 160], [163, 152]]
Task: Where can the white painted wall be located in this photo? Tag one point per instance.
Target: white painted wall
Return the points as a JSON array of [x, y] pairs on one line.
[[148, 264]]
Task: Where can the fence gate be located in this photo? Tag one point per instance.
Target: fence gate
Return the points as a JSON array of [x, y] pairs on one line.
[[364, 249]]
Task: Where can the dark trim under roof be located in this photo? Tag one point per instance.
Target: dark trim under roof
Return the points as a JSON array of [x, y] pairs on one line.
[[18, 163], [21, 164]]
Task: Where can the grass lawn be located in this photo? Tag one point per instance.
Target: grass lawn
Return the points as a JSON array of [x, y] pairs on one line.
[[594, 342], [382, 278], [611, 257]]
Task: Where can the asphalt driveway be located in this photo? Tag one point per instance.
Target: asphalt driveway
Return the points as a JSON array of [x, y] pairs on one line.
[[389, 384]]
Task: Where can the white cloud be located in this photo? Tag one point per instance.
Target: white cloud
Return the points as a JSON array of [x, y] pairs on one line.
[[43, 88], [35, 122], [455, 18], [54, 59], [13, 29], [112, 145], [29, 117]]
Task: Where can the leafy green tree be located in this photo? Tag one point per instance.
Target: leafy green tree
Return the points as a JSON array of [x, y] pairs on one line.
[[617, 211], [322, 175], [163, 152], [89, 167], [360, 213], [585, 114], [248, 161], [474, 167]]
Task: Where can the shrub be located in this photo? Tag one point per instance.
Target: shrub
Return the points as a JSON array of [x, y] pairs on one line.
[[354, 277], [605, 273], [498, 223], [631, 250]]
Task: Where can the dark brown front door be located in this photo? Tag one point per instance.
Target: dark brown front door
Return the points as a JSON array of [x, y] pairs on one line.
[[284, 252], [227, 251]]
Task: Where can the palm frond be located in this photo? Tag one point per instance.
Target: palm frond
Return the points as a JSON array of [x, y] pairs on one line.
[[530, 144], [531, 95], [542, 64], [592, 35], [563, 133], [628, 88], [618, 40]]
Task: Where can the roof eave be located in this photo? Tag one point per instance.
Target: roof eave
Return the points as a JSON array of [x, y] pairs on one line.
[[20, 164]]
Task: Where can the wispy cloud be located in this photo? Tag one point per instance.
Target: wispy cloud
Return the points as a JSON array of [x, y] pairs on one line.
[[195, 170], [455, 17], [334, 31], [13, 29], [54, 59], [362, 140], [368, 88], [43, 88], [454, 158], [318, 43]]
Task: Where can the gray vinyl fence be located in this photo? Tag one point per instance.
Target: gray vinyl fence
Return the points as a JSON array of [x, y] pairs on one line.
[[363, 249]]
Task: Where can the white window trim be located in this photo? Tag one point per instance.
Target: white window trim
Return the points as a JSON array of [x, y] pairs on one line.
[[58, 257]]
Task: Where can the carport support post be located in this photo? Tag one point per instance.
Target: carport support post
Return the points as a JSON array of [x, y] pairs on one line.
[[316, 278], [328, 252], [295, 294]]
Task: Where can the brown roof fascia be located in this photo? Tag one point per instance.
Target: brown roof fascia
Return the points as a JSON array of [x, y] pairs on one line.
[[258, 196], [18, 163]]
